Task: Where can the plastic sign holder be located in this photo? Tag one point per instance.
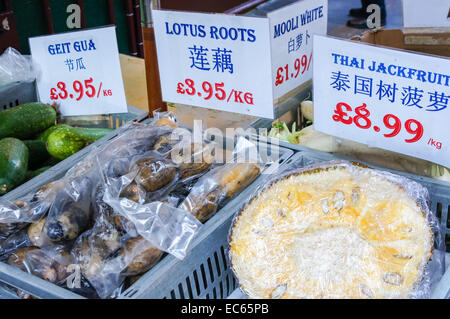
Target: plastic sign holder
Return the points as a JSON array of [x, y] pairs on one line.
[[385, 98]]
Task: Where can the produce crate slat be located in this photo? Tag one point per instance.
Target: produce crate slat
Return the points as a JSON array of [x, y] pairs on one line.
[[32, 284], [17, 93]]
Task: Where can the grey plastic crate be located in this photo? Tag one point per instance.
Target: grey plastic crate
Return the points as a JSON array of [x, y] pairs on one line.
[[166, 270], [17, 93], [18, 279], [205, 272]]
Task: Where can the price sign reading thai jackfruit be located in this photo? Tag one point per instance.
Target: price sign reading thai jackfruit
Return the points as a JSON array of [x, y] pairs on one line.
[[215, 61], [80, 72], [385, 98]]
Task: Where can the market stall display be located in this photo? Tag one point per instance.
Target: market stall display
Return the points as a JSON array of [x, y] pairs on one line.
[[119, 223], [336, 230], [129, 206]]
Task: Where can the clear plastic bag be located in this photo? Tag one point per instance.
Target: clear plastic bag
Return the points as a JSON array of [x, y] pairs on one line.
[[50, 264], [15, 67], [135, 187], [39, 263], [223, 182], [16, 215], [164, 119], [32, 207], [107, 242], [129, 237], [93, 248], [106, 257], [108, 253], [337, 230], [71, 213], [14, 242], [54, 264]]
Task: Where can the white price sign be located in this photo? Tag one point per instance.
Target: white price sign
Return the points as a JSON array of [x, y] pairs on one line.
[[80, 71], [292, 30], [385, 98], [215, 61]]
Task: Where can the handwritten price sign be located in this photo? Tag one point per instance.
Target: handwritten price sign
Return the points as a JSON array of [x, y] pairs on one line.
[[80, 71], [385, 98]]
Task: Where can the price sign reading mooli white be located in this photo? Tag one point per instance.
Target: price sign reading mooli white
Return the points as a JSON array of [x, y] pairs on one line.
[[215, 61], [80, 71], [385, 98], [292, 30]]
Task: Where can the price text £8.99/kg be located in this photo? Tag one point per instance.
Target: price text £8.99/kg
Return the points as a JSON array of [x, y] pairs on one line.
[[343, 112]]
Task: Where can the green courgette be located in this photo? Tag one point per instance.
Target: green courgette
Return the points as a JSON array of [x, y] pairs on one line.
[[38, 154], [50, 130], [65, 142], [27, 120], [51, 161], [13, 163]]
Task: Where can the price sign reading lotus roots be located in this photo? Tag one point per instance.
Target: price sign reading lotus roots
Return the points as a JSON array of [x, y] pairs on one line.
[[385, 98], [215, 61], [292, 29], [80, 71]]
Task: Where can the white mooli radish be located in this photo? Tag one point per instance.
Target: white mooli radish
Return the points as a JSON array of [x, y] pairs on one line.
[[307, 108]]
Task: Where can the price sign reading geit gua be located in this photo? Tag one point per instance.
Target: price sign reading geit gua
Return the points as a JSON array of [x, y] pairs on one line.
[[382, 97], [80, 71], [215, 61], [292, 29]]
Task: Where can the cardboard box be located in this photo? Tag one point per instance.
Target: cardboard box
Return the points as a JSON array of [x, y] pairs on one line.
[[426, 40]]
